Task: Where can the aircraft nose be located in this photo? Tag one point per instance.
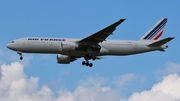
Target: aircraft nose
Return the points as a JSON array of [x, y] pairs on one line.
[[9, 45]]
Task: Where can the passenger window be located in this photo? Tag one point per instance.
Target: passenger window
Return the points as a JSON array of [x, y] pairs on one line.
[[55, 39]]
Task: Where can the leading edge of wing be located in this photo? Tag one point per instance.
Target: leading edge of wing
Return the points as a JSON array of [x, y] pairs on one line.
[[101, 35]]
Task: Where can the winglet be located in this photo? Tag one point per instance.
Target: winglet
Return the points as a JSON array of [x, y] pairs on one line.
[[161, 42]]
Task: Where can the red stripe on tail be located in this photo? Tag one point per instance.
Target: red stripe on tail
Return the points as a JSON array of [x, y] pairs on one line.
[[157, 37]]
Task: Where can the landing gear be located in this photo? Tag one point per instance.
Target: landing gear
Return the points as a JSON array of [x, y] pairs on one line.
[[87, 63], [88, 57], [21, 57], [90, 65], [83, 63]]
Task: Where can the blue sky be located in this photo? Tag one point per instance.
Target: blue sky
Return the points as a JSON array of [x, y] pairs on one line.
[[124, 75]]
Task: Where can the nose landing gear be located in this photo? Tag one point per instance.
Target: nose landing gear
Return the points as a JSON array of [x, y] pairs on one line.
[[21, 58], [20, 53]]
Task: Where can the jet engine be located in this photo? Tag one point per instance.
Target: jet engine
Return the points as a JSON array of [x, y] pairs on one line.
[[68, 46], [63, 59]]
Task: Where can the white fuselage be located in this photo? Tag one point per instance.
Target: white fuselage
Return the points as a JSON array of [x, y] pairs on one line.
[[93, 46], [53, 46]]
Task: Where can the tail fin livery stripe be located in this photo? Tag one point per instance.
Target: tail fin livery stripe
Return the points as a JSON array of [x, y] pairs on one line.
[[155, 31], [158, 36]]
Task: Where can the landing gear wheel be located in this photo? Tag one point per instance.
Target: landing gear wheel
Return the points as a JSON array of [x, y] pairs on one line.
[[83, 63], [87, 63], [21, 58], [90, 65]]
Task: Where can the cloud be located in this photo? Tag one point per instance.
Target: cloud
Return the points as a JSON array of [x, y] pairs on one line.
[[124, 79], [16, 86], [93, 90], [90, 89], [167, 90], [172, 68], [94, 93]]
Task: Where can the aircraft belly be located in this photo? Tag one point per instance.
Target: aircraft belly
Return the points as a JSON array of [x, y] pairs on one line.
[[75, 53]]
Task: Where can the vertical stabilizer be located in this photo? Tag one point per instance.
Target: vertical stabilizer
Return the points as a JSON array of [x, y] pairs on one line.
[[156, 31]]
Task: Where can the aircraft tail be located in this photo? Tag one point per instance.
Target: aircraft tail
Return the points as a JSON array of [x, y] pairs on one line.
[[156, 31]]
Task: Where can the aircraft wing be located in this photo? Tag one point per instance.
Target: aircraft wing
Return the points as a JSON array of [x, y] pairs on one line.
[[101, 35]]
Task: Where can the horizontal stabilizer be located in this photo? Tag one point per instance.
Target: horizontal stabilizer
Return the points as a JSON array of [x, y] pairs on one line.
[[161, 42]]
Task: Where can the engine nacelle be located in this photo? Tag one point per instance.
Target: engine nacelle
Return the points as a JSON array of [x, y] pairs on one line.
[[63, 59], [68, 46]]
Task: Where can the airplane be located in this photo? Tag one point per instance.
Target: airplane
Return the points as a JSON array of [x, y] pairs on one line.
[[94, 46]]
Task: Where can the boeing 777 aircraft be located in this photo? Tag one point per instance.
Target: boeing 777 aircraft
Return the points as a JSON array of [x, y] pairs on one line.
[[93, 46]]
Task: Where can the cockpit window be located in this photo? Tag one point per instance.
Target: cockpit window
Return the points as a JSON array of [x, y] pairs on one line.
[[12, 41]]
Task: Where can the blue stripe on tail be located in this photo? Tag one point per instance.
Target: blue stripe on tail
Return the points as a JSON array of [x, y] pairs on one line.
[[156, 29]]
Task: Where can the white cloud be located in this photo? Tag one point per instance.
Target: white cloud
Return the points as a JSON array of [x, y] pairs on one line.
[[92, 89], [16, 86], [172, 68], [124, 79], [94, 93], [167, 90]]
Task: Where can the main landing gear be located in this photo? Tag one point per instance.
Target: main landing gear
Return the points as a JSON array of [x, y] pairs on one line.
[[87, 63], [21, 57]]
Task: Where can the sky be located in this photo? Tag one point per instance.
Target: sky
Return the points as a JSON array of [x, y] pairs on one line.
[[149, 76]]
